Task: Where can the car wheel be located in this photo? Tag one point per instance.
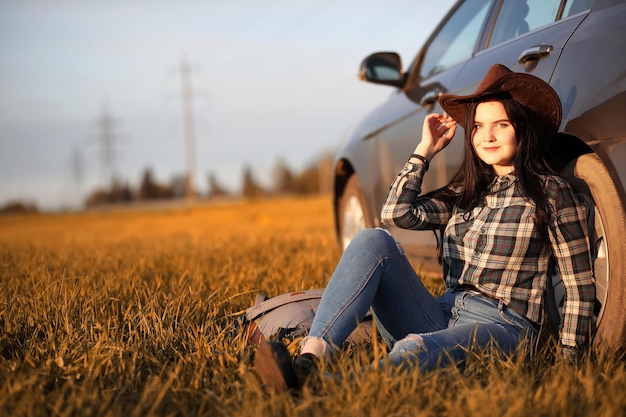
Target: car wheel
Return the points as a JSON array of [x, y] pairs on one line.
[[351, 213], [608, 246]]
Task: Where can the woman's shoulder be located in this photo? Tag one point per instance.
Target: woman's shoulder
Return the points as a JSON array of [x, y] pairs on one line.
[[559, 191], [554, 181]]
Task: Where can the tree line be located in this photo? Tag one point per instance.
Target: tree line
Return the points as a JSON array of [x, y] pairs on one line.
[[313, 179]]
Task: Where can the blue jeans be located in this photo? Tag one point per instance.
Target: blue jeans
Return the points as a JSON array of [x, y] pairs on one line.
[[424, 331]]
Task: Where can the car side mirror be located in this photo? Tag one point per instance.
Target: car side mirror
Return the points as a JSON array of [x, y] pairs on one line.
[[382, 68]]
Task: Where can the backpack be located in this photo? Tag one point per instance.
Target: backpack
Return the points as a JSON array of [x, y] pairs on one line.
[[289, 316]]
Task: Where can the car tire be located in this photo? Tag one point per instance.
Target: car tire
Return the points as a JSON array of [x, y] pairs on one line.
[[590, 176], [352, 216]]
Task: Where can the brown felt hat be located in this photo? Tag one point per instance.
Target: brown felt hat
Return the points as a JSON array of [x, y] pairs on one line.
[[529, 90]]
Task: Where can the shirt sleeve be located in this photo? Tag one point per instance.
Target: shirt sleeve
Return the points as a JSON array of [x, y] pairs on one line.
[[404, 208], [570, 245]]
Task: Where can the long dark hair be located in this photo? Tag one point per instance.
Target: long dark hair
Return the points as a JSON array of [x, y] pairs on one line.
[[470, 184]]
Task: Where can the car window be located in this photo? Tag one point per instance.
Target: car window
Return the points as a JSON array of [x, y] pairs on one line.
[[517, 17], [573, 7], [456, 40]]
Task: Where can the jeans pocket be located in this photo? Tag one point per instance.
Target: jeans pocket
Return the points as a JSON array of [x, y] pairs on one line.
[[460, 300], [512, 318]]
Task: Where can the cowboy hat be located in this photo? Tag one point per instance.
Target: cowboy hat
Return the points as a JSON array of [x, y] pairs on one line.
[[529, 90]]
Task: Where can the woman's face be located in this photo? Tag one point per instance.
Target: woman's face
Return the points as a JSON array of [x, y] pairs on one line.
[[493, 137]]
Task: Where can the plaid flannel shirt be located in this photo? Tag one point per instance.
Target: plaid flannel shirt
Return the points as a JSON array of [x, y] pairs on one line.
[[496, 247]]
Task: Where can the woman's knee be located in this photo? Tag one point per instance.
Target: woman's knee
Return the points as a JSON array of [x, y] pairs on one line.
[[407, 353], [377, 240], [412, 343]]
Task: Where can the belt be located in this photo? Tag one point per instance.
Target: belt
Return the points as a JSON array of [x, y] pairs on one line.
[[467, 287]]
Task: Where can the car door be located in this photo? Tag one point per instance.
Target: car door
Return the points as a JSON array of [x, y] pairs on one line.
[[433, 71]]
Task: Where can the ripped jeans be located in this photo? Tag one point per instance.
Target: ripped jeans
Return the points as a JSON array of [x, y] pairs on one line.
[[424, 330]]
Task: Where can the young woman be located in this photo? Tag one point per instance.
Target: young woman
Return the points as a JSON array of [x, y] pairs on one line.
[[504, 215]]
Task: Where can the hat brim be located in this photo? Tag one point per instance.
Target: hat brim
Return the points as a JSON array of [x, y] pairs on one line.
[[531, 91]]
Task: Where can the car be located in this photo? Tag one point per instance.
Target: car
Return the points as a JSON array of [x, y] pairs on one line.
[[575, 45]]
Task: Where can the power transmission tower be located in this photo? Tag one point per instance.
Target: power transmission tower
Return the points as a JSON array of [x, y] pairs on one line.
[[107, 139], [77, 166], [188, 125]]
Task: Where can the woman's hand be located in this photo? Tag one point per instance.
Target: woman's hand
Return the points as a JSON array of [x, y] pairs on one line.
[[437, 132]]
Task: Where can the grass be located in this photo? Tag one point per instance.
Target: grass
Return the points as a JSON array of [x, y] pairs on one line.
[[132, 313]]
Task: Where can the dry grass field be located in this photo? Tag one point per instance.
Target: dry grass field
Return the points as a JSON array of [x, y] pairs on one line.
[[132, 313]]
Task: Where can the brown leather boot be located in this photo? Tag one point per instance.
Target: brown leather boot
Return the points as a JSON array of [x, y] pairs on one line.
[[273, 365]]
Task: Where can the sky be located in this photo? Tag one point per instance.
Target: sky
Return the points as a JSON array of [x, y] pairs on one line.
[[270, 80]]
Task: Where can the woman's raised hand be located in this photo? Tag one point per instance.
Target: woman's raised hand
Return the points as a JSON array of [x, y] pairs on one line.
[[437, 132]]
